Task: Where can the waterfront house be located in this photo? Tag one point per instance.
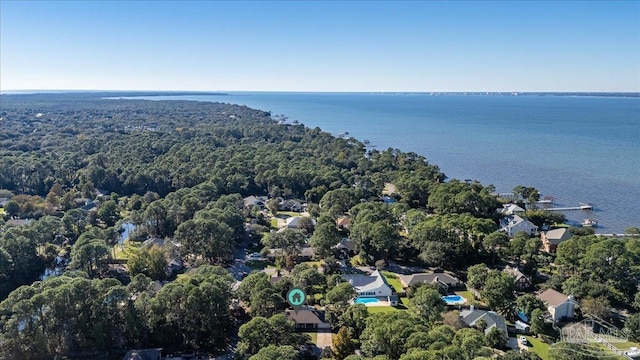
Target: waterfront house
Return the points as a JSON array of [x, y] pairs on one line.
[[446, 281], [513, 224], [307, 319], [560, 306], [521, 281], [552, 238], [472, 316], [372, 286], [511, 209]]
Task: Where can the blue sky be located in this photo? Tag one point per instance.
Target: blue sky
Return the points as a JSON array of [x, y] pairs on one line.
[[320, 46]]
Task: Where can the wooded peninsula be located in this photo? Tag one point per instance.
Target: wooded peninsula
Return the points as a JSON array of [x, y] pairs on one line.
[[134, 229]]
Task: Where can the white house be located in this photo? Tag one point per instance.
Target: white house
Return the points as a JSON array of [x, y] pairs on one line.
[[511, 209], [374, 285], [560, 306], [294, 222], [513, 224]]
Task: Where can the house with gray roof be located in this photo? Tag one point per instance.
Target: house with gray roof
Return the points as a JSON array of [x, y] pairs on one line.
[[291, 205], [374, 285], [18, 222], [493, 320], [251, 201], [513, 224], [444, 280], [307, 318], [511, 209], [305, 253], [346, 246], [552, 238]]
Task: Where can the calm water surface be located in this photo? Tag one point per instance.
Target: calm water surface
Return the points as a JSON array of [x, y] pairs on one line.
[[577, 149]]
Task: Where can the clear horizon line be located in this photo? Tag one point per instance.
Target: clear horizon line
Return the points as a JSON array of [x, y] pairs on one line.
[[330, 91]]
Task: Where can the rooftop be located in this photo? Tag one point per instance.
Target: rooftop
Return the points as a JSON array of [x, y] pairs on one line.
[[552, 297]]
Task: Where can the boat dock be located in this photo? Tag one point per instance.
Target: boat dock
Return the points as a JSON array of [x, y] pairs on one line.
[[580, 207]]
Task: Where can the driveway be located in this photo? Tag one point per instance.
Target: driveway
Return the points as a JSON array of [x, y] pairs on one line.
[[324, 339]]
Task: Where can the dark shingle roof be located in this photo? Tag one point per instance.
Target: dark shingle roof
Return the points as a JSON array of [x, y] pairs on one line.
[[305, 316], [424, 278]]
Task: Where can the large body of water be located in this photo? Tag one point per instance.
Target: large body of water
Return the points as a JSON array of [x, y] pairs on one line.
[[577, 149]]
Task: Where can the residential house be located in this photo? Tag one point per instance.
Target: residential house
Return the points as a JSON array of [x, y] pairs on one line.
[[90, 205], [511, 209], [307, 319], [343, 222], [560, 306], [291, 205], [521, 281], [305, 253], [446, 281], [295, 222], [552, 238], [101, 194], [18, 222], [374, 285], [251, 201], [492, 320], [346, 247], [513, 224]]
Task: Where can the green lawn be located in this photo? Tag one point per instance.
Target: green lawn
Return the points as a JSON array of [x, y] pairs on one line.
[[469, 297], [394, 281], [406, 302], [539, 347], [626, 345], [380, 309], [274, 223], [123, 252], [289, 213], [1, 211]]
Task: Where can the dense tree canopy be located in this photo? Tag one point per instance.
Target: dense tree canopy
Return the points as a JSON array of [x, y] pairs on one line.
[[78, 167]]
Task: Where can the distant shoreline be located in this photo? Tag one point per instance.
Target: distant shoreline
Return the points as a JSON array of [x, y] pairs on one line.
[[132, 93]]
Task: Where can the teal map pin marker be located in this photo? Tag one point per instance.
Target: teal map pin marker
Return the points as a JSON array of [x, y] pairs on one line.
[[296, 298]]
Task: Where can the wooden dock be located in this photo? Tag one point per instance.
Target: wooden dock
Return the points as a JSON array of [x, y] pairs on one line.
[[579, 207]]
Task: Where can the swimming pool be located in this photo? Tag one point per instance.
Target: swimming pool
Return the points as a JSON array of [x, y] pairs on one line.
[[365, 300], [453, 299]]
